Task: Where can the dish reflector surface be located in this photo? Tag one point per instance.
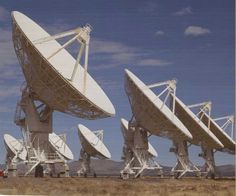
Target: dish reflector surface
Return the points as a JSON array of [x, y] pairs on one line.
[[200, 133], [92, 144], [15, 146], [150, 112], [50, 78], [125, 130], [227, 141], [151, 150], [60, 146]]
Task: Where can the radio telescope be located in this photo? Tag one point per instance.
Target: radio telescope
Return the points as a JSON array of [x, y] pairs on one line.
[[201, 134], [55, 81], [220, 131], [59, 144], [91, 146], [16, 153], [136, 163], [152, 115]]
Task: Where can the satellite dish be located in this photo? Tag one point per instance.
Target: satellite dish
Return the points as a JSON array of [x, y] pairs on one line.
[[135, 161], [15, 147], [150, 112], [60, 146], [153, 114], [201, 134], [49, 72], [54, 81], [227, 141], [92, 146], [125, 131]]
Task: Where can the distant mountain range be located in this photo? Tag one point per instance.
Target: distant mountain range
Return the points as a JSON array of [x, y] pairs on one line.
[[112, 168], [109, 167]]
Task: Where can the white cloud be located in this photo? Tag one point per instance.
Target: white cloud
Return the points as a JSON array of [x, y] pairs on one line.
[[103, 54], [109, 47], [184, 11], [153, 62], [109, 54], [196, 31], [159, 33], [4, 14]]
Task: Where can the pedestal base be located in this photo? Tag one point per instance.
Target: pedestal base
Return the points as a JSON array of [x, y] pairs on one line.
[[12, 171]]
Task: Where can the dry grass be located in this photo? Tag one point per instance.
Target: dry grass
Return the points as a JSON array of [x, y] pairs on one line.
[[115, 186]]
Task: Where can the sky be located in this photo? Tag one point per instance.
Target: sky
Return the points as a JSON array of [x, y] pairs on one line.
[[191, 41]]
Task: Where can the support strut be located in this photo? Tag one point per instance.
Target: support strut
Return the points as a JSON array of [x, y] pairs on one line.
[[136, 156], [209, 166], [183, 165], [86, 168]]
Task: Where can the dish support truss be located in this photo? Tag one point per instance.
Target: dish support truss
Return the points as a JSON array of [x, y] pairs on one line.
[[35, 121], [44, 80], [82, 35], [228, 120], [207, 153], [180, 147], [85, 159], [135, 153], [209, 168], [183, 164]]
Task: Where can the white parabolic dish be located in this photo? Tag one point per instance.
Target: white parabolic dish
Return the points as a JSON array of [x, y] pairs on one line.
[[92, 144], [201, 134], [228, 142], [149, 111], [15, 146], [50, 78], [125, 126], [60, 146]]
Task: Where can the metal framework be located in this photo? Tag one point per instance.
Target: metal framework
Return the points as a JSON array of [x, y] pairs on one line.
[[135, 154], [229, 120], [207, 153], [82, 35], [183, 165], [209, 168], [85, 159], [180, 147], [169, 89], [36, 124], [43, 79], [220, 132], [12, 160]]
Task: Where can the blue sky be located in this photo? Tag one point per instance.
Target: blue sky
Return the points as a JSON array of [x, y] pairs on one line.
[[192, 41]]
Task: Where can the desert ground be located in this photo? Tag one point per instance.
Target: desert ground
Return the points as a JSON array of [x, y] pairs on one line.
[[116, 186]]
